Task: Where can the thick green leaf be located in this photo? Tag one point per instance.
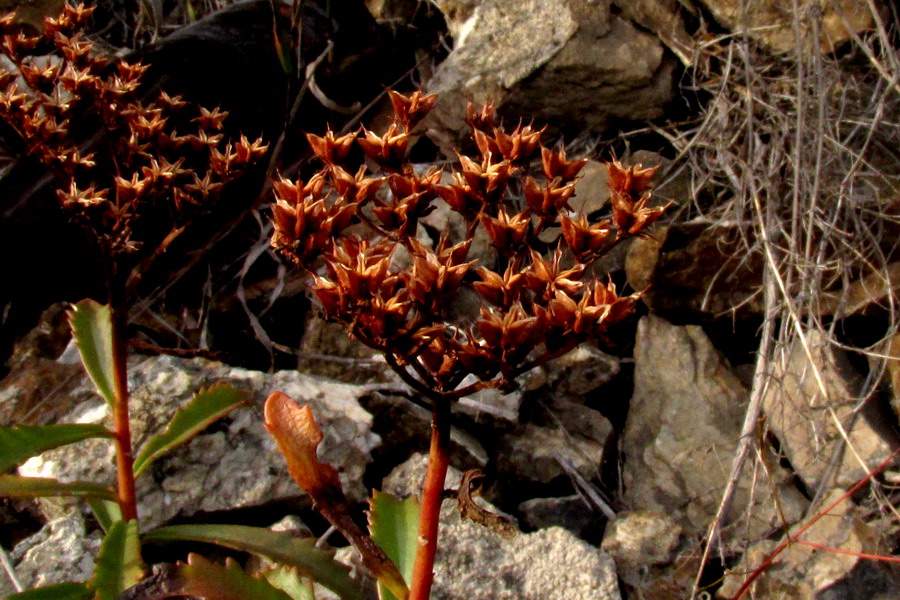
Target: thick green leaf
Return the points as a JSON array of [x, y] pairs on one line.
[[394, 525], [21, 442], [91, 324], [288, 579], [318, 565], [105, 511], [205, 407], [60, 591], [119, 565], [13, 486], [206, 579]]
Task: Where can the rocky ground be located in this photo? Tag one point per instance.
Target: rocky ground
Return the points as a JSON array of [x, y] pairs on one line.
[[614, 466]]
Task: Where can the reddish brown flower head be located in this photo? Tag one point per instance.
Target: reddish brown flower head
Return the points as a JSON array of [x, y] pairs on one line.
[[304, 224], [250, 152], [477, 357], [556, 165], [211, 119], [632, 182], [487, 179], [89, 197], [357, 189], [410, 110], [361, 269], [461, 198], [329, 149], [385, 319], [436, 274], [514, 332], [400, 215], [546, 277], [547, 200], [387, 151], [519, 146], [582, 237], [503, 291], [481, 120], [408, 184], [507, 232], [629, 195], [486, 143]]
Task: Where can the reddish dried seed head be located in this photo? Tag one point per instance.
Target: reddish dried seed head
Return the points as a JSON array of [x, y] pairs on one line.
[[439, 310]]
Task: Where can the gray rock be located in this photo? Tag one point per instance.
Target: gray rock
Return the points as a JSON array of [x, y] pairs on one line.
[[405, 425], [569, 63], [770, 22], [491, 407], [696, 270], [638, 540], [803, 417], [581, 371], [235, 463], [681, 433], [474, 563], [536, 453], [572, 513], [663, 18], [61, 551]]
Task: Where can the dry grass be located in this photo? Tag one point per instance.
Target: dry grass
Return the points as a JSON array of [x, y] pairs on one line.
[[800, 152]]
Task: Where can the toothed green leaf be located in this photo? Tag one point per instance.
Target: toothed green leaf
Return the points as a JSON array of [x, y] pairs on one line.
[[13, 486], [21, 442], [288, 580], [105, 511], [91, 324], [60, 591], [206, 407], [119, 565], [318, 565], [206, 579], [394, 525]]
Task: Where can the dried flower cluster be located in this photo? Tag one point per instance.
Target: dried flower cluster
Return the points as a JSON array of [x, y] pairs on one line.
[[400, 294], [115, 153]]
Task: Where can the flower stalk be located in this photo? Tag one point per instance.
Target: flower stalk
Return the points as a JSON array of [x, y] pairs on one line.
[[359, 239]]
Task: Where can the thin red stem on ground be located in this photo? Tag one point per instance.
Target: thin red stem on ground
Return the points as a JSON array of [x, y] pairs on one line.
[[792, 538], [432, 498]]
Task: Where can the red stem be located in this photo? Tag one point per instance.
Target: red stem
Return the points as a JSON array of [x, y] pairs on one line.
[[432, 497], [124, 455], [790, 538]]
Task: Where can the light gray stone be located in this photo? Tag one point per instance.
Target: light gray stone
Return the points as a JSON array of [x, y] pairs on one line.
[[474, 563], [772, 22], [639, 539], [802, 403], [682, 431], [60, 552], [568, 63], [572, 513], [235, 463], [535, 453], [581, 371]]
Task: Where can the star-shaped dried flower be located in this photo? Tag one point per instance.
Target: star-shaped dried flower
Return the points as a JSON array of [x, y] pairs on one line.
[[330, 149], [556, 165], [410, 110], [583, 237]]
